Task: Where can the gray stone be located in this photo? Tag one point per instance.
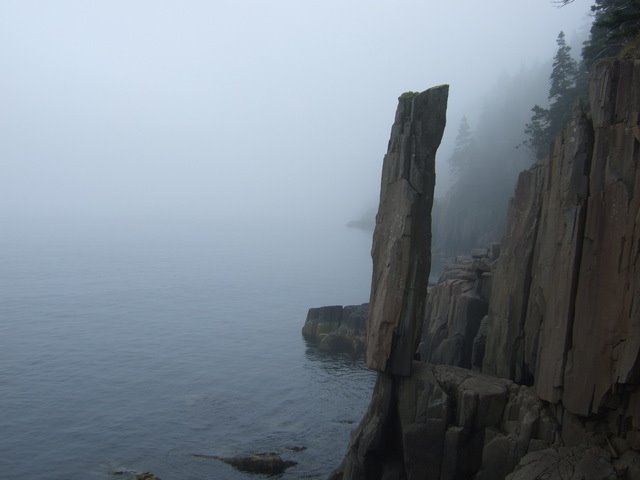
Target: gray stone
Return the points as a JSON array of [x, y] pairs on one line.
[[577, 463], [265, 463], [504, 352], [402, 238], [498, 458], [480, 253], [628, 465], [605, 339], [423, 445], [322, 320], [337, 329]]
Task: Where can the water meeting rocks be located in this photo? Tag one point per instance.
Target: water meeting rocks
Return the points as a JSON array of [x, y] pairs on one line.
[[337, 329], [402, 237], [559, 391]]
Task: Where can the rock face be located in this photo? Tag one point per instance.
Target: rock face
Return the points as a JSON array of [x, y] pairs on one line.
[[337, 329], [591, 463], [402, 237], [605, 338], [565, 312], [452, 423], [455, 309], [401, 262], [559, 391], [508, 302]]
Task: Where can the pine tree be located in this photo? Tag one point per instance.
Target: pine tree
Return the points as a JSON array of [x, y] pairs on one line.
[[546, 123], [461, 156], [538, 131], [615, 23], [565, 69], [562, 93]]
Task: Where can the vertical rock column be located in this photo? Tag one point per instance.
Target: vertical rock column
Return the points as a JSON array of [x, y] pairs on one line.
[[604, 354], [401, 249], [401, 262]]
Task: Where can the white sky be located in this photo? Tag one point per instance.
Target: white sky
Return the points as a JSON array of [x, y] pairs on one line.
[[235, 109]]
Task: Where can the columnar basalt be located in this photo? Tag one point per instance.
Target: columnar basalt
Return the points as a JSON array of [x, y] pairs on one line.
[[567, 320], [401, 248], [401, 262], [559, 391]]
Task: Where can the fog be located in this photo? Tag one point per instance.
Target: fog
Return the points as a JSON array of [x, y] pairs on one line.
[[234, 113]]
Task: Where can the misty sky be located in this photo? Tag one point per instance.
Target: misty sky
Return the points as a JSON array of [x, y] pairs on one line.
[[237, 110]]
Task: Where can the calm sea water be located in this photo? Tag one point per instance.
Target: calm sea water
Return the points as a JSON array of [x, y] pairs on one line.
[[136, 353]]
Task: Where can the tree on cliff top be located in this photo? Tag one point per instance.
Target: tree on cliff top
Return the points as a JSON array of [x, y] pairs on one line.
[[546, 122], [615, 23]]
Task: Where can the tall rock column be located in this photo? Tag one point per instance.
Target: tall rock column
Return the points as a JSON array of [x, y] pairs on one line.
[[401, 263], [401, 249], [604, 357]]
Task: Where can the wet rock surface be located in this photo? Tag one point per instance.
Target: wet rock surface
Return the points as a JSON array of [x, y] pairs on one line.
[[135, 475], [267, 463], [337, 329]]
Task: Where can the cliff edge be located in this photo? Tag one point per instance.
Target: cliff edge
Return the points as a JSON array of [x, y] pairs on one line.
[[556, 388]]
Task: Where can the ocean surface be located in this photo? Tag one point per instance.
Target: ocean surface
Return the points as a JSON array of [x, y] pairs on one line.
[[136, 351]]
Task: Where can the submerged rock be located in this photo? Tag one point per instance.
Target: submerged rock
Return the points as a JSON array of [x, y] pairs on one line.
[[134, 474], [266, 463], [146, 476]]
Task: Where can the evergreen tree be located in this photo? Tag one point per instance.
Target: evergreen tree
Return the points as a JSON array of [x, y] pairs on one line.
[[546, 123], [538, 131], [565, 69], [562, 93], [615, 23], [461, 156]]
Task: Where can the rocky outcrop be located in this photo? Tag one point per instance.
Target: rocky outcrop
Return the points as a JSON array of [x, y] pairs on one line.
[[337, 329], [604, 354], [565, 311], [402, 237], [508, 301], [401, 262], [559, 391], [456, 307], [452, 423]]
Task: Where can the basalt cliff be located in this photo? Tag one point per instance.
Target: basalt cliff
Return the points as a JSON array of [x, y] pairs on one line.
[[530, 362]]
